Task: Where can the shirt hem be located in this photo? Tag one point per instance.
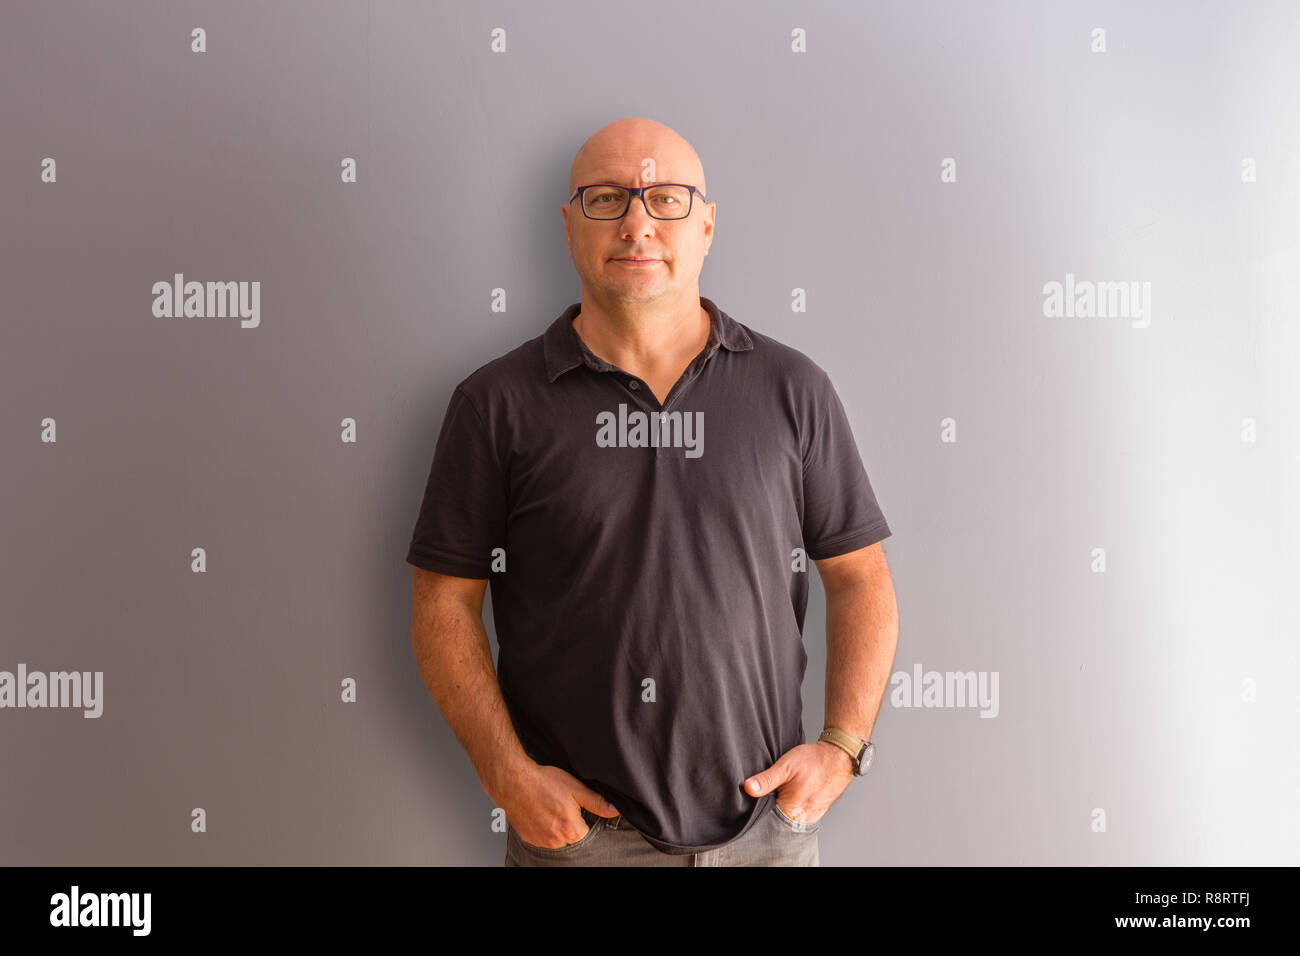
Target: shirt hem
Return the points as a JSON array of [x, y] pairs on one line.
[[676, 849], [444, 564], [852, 541]]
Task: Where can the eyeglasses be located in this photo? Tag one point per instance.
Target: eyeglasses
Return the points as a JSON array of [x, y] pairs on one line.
[[662, 201]]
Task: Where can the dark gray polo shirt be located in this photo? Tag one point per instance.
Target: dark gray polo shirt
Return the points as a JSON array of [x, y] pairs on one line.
[[649, 588]]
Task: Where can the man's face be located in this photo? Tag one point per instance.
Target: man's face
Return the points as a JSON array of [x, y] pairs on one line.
[[638, 259]]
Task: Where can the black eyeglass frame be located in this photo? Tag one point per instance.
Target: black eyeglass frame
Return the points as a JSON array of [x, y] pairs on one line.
[[633, 192]]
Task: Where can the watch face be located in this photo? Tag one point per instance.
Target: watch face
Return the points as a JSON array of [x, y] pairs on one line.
[[864, 757]]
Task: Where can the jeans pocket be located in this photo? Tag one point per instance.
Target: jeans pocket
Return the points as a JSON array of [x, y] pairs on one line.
[[555, 851], [794, 826]]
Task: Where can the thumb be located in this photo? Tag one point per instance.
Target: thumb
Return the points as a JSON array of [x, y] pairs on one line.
[[768, 780], [594, 802]]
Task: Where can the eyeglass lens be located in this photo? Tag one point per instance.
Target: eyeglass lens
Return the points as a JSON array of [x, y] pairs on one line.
[[662, 202]]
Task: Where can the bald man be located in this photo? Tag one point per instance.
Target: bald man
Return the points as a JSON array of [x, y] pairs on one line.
[[643, 484]]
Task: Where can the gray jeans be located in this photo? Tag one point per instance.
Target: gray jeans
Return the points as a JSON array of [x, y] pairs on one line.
[[773, 840]]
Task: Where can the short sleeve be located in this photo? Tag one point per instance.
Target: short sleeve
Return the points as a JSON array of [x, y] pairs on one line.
[[840, 509], [463, 515]]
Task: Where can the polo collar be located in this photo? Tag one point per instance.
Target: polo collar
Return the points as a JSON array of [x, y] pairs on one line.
[[565, 350]]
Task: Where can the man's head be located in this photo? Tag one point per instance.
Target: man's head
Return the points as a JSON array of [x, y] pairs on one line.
[[638, 152]]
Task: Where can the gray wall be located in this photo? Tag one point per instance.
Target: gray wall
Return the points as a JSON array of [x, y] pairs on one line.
[[1146, 712]]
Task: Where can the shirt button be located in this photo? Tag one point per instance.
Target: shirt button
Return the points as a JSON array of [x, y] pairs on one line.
[[632, 383]]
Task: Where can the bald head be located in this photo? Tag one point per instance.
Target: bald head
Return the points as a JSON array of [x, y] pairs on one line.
[[636, 151]]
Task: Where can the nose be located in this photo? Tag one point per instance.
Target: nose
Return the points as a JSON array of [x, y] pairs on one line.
[[637, 222]]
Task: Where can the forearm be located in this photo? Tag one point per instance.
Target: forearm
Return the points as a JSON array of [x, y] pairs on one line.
[[861, 638], [455, 659]]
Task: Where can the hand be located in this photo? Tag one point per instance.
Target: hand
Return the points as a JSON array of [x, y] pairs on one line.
[[544, 805], [810, 777]]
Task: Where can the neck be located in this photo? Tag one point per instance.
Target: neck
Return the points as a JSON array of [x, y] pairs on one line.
[[643, 336]]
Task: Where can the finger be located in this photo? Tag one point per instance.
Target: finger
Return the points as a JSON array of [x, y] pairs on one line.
[[564, 831], [768, 780], [594, 802]]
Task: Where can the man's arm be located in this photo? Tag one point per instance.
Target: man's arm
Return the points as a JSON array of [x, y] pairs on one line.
[[861, 636], [452, 650], [861, 639], [542, 803]]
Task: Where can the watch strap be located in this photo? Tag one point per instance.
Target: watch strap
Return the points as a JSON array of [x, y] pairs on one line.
[[845, 741]]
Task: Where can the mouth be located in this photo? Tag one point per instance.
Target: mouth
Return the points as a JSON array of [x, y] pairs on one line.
[[636, 260]]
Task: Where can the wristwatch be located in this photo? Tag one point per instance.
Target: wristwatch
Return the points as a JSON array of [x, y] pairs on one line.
[[862, 751]]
